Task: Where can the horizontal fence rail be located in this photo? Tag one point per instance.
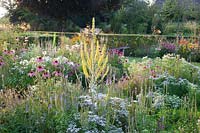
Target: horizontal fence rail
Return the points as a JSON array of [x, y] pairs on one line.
[[51, 33]]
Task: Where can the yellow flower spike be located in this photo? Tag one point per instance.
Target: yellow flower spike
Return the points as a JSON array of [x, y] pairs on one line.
[[94, 62], [85, 69], [103, 67], [97, 51], [93, 27], [107, 70], [102, 56]]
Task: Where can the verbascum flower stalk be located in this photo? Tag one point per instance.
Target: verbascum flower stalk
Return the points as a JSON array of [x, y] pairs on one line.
[[94, 59]]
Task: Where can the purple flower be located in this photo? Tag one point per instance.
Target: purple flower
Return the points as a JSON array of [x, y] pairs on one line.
[[55, 63], [168, 46], [40, 68], [57, 74], [46, 75], [11, 52], [39, 59], [7, 52], [17, 39], [31, 74], [1, 63]]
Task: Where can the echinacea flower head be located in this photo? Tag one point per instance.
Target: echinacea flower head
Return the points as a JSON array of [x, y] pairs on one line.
[[40, 68], [31, 74], [9, 52], [57, 74], [1, 63], [12, 52], [46, 75], [39, 59], [5, 52], [55, 63]]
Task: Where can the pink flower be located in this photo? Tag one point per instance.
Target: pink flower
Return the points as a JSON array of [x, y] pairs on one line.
[[55, 63], [46, 75], [11, 52], [31, 74], [5, 52], [120, 53], [1, 63], [57, 74], [40, 68], [17, 39], [39, 59]]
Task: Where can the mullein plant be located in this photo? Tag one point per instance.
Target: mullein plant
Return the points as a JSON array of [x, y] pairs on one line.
[[94, 59]]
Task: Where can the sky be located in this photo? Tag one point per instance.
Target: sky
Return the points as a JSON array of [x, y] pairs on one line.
[[2, 12]]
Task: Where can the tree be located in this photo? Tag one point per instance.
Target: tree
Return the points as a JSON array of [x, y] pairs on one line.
[[8, 4], [133, 17], [78, 11], [171, 11]]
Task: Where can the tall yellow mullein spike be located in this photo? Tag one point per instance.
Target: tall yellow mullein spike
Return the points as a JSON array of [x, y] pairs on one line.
[[86, 50], [93, 25], [102, 67], [85, 69], [107, 70], [104, 49], [102, 56], [83, 63], [97, 51]]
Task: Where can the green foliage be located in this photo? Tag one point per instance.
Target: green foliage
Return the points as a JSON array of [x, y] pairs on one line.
[[42, 23], [121, 22], [171, 11], [172, 86]]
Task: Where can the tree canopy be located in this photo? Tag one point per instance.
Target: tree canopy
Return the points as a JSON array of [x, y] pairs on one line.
[[119, 16]]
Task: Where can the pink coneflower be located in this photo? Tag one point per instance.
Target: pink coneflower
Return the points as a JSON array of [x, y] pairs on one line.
[[120, 53], [55, 63], [57, 74], [11, 52], [46, 75], [39, 59], [5, 52], [17, 39], [1, 63], [31, 74], [40, 68]]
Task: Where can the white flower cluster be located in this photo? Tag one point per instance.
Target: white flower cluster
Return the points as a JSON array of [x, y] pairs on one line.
[[92, 119], [117, 107]]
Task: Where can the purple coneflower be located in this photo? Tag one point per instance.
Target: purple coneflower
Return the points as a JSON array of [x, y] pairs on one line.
[[11, 52], [1, 63], [17, 39], [57, 74], [46, 75], [5, 52], [39, 59], [40, 68], [55, 63], [31, 74]]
